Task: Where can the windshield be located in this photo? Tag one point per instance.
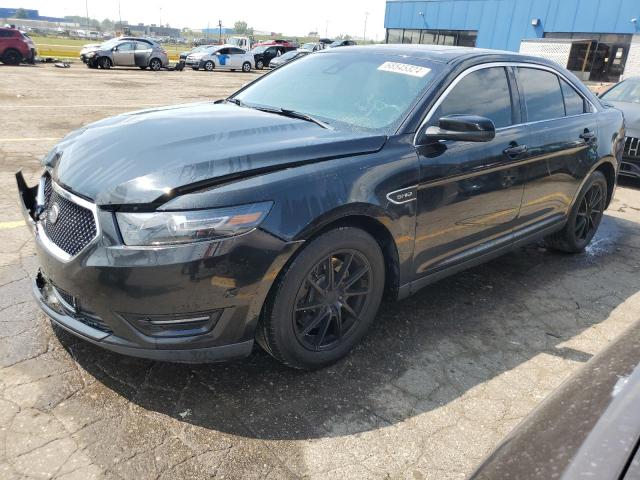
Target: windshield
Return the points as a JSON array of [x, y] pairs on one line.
[[337, 43], [288, 55], [367, 92], [200, 48], [308, 46], [628, 92], [111, 43]]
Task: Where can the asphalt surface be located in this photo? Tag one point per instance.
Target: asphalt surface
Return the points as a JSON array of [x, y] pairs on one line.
[[440, 380]]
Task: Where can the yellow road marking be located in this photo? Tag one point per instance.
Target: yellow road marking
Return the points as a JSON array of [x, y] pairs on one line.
[[10, 225]]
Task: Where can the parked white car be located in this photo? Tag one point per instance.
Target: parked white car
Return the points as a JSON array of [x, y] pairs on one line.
[[225, 57]]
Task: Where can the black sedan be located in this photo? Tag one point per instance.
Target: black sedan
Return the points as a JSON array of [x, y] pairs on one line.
[[187, 233]]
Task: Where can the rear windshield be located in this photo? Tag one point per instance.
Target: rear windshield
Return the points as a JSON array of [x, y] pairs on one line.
[[360, 91]]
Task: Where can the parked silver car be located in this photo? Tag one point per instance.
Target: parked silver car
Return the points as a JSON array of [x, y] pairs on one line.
[[127, 52]]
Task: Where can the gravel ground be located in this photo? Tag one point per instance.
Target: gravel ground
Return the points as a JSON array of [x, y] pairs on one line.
[[440, 380]]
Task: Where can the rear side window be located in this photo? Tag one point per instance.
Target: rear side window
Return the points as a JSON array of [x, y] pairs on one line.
[[542, 95], [484, 92], [573, 102], [6, 33]]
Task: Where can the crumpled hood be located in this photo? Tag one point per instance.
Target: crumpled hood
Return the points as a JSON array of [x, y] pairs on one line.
[[138, 157], [631, 113]]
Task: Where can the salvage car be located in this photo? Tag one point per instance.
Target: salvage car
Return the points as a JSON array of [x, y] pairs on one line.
[[223, 57], [189, 233], [141, 52], [182, 61], [16, 47], [288, 57], [625, 96], [588, 428]]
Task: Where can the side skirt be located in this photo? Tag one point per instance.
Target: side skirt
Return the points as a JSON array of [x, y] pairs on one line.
[[488, 252]]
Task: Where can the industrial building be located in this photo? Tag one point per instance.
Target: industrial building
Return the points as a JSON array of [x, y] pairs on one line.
[[599, 40]]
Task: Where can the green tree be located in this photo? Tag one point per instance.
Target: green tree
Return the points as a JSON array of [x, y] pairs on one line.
[[21, 13], [107, 25], [240, 27]]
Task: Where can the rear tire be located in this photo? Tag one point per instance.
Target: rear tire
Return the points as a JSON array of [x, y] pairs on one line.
[[11, 57], [259, 65], [584, 218], [246, 67], [155, 64], [325, 301]]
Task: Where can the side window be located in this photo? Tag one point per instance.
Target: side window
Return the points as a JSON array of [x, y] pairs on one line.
[[237, 51], [6, 33], [573, 102], [142, 46], [484, 92], [126, 47], [542, 95], [223, 51]]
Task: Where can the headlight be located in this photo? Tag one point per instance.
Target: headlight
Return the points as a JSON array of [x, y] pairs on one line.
[[91, 54], [167, 228]]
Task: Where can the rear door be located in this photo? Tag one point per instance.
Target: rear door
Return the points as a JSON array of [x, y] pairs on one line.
[[236, 57], [562, 142], [142, 54], [470, 193]]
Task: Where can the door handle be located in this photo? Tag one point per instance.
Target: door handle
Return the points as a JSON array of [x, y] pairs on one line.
[[588, 136], [516, 150]]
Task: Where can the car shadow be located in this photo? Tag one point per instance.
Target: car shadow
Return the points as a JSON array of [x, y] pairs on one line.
[[423, 352]]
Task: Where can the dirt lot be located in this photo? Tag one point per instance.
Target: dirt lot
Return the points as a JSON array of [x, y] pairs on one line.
[[441, 379]]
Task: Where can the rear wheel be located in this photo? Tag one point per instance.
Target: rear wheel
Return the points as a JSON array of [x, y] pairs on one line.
[[325, 301], [246, 67], [105, 63], [585, 217], [259, 65], [209, 66], [11, 57], [155, 64]]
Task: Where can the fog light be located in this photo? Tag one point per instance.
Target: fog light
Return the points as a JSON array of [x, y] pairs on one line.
[[174, 325]]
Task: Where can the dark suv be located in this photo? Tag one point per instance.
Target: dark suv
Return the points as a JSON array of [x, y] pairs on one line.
[[282, 217], [263, 54], [16, 47]]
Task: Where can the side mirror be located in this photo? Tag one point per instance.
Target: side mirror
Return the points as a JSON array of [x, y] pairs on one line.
[[464, 128]]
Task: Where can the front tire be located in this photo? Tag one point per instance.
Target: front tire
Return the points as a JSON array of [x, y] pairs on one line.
[[209, 66], [325, 301], [584, 218], [104, 63]]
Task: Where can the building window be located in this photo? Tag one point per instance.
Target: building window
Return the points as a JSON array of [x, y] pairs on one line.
[[463, 38], [596, 57], [394, 35]]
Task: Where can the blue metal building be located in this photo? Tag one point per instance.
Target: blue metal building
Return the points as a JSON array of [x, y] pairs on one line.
[[602, 30]]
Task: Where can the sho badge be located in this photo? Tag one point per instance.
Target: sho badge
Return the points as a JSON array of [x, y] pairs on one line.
[[403, 196], [53, 214]]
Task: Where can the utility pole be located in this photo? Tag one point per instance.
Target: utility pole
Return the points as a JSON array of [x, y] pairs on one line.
[[86, 6], [364, 36], [208, 30], [160, 25], [326, 30], [220, 27], [120, 14]]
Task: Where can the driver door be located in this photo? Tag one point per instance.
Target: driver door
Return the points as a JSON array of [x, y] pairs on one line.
[[223, 59], [123, 55], [470, 193]]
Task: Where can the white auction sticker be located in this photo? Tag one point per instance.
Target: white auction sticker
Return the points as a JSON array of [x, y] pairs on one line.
[[405, 69]]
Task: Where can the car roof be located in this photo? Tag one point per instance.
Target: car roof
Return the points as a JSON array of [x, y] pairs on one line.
[[436, 53]]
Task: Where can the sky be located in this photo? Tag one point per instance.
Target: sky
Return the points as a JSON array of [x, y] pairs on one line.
[[291, 17]]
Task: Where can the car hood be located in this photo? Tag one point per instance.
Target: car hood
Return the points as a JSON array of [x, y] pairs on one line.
[[139, 157], [631, 113]]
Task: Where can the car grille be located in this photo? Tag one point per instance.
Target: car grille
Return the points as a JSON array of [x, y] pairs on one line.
[[75, 226], [631, 147]]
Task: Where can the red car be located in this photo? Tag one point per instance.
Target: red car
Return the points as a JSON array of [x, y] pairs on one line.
[[16, 47], [283, 43]]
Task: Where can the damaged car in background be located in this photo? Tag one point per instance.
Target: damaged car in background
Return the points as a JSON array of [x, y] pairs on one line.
[[126, 52], [188, 233]]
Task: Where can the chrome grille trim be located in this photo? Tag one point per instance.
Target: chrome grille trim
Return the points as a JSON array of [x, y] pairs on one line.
[[631, 147], [54, 249]]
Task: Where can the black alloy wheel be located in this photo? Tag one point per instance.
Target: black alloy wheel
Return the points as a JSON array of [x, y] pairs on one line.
[[330, 301], [584, 218], [590, 213], [325, 300], [259, 65], [105, 63], [11, 57]]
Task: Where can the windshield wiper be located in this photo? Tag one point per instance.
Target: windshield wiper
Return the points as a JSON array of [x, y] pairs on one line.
[[292, 114]]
